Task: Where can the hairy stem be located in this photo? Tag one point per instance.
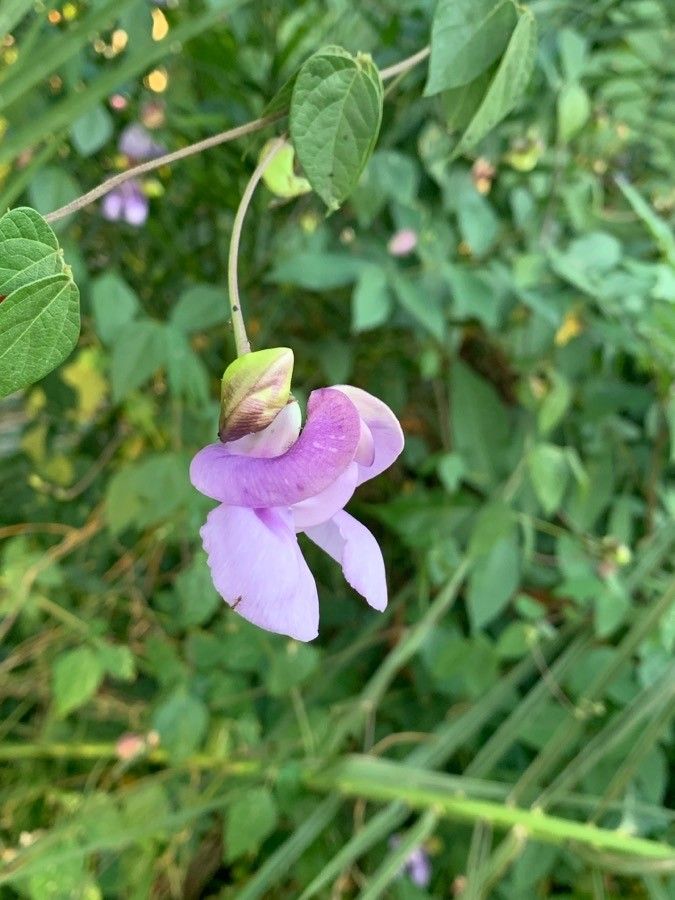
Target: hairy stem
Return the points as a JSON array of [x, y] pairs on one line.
[[238, 326]]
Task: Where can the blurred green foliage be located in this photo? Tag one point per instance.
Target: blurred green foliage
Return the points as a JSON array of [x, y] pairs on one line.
[[512, 710]]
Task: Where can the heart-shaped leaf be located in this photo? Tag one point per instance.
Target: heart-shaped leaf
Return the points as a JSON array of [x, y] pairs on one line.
[[39, 326], [39, 301], [336, 111]]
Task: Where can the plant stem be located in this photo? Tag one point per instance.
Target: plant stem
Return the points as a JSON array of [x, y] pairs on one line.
[[238, 326], [215, 140], [109, 184], [400, 68]]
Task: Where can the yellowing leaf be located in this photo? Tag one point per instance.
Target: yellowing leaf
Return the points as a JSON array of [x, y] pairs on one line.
[[84, 376], [571, 327], [280, 176]]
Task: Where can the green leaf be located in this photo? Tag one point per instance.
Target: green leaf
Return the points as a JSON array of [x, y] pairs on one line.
[[509, 82], [200, 307], [114, 305], [76, 677], [250, 819], [29, 250], [371, 300], [139, 350], [473, 297], [181, 722], [611, 605], [197, 596], [555, 403], [549, 473], [336, 111], [292, 665], [420, 305], [573, 50], [92, 130], [460, 104], [52, 188], [39, 326], [147, 492], [493, 581], [574, 110], [117, 661], [186, 373], [479, 425], [467, 36], [318, 271]]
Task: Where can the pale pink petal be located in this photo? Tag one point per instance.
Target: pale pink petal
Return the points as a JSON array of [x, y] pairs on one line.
[[323, 451], [274, 440], [258, 569], [384, 427], [403, 242], [326, 503], [351, 544]]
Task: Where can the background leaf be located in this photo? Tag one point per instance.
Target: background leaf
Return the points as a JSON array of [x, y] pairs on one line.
[[467, 36]]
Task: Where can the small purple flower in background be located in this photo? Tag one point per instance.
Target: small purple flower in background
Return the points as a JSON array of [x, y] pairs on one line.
[[128, 202], [403, 242], [281, 481], [417, 865]]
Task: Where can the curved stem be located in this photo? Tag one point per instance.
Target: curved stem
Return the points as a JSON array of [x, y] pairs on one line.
[[240, 337], [399, 68], [106, 186]]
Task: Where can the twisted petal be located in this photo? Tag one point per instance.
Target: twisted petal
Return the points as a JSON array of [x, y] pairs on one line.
[[351, 544], [258, 569], [326, 503], [280, 434], [323, 451], [387, 435]]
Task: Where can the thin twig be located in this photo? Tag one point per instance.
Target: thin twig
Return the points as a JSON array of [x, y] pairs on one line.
[[215, 140]]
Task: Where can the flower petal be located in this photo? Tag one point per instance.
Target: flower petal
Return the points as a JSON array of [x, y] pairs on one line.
[[280, 434], [351, 544], [136, 204], [323, 451], [112, 206], [386, 431], [137, 143], [258, 569], [326, 503]]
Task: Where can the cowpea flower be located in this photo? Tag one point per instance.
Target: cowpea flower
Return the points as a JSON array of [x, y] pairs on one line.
[[284, 480], [127, 201]]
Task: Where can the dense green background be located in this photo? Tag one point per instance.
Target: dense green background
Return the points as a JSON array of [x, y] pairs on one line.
[[527, 346]]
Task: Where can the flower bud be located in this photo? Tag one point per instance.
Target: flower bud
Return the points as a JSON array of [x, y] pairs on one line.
[[255, 388]]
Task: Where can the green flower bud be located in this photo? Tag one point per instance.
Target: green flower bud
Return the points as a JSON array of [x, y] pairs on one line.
[[255, 388]]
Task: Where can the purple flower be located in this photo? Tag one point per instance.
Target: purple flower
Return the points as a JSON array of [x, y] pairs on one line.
[[128, 202], [280, 481], [136, 142], [417, 865]]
